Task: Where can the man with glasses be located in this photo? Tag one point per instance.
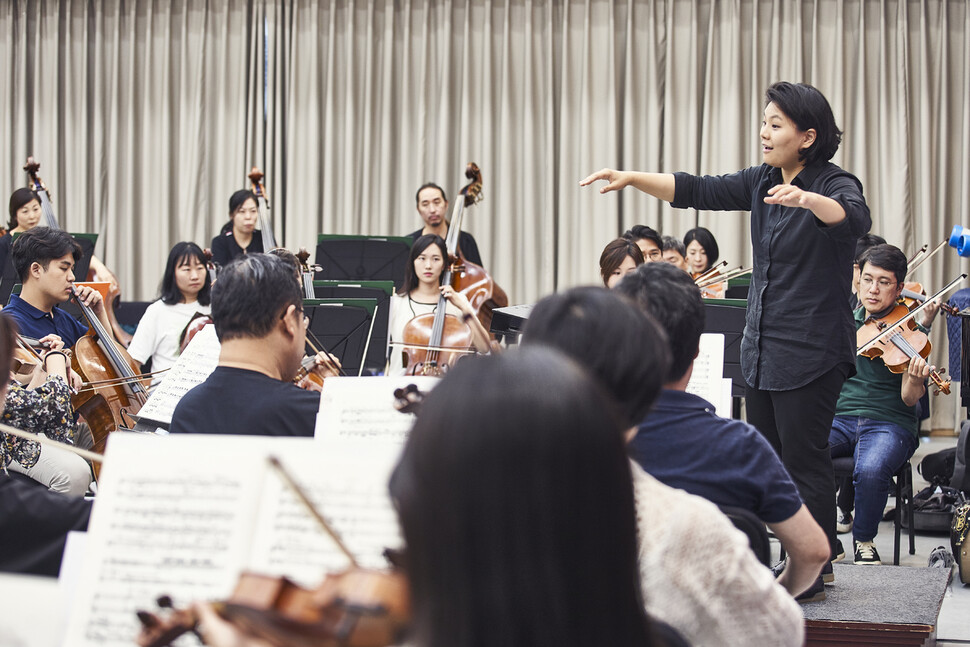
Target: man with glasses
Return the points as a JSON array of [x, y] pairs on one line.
[[876, 417], [258, 314]]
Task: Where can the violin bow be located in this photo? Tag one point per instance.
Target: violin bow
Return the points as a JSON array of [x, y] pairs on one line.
[[43, 440], [912, 313], [709, 273], [925, 257], [308, 504]]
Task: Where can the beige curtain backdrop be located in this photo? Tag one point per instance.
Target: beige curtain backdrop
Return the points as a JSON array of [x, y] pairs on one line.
[[145, 116]]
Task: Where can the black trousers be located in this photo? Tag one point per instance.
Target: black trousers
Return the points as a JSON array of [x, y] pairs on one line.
[[797, 424]]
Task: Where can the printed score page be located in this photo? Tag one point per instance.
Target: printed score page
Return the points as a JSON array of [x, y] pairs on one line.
[[193, 366], [360, 411], [183, 515], [707, 378]]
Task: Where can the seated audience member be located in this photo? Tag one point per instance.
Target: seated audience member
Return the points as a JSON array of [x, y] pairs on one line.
[[43, 406], [702, 251], [727, 597], [257, 310], [432, 205], [674, 252], [44, 259], [185, 293], [685, 445], [876, 420], [648, 240], [619, 257], [34, 521]]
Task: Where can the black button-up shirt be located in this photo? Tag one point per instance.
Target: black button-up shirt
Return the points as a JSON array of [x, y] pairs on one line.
[[798, 325]]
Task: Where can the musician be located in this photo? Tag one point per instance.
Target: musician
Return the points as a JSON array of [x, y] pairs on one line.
[[420, 295], [727, 597], [674, 252], [861, 247], [876, 419], [238, 236], [685, 445], [257, 309], [806, 215], [184, 294], [648, 240], [25, 213], [44, 259], [34, 521], [702, 251], [432, 205], [619, 258], [43, 406]]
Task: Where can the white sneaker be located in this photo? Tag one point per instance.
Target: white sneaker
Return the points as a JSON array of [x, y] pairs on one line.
[[844, 522]]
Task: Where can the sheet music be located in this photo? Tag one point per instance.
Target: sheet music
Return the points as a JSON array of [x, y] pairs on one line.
[[706, 380], [361, 410], [184, 514], [192, 367]]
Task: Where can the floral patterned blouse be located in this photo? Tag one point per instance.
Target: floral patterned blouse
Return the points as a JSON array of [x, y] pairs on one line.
[[46, 409]]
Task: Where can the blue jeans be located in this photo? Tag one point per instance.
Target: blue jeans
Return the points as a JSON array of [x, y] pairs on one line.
[[879, 449]]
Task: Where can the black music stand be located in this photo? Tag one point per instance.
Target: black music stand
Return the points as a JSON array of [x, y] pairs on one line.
[[726, 316], [379, 290], [363, 258], [9, 277], [342, 326]]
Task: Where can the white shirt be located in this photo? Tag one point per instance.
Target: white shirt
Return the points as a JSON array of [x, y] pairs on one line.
[[157, 335]]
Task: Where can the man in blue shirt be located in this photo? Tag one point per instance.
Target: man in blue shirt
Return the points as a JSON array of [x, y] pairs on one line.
[[685, 445], [44, 259]]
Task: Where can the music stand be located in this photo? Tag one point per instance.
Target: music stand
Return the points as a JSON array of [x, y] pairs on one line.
[[727, 316], [379, 290], [342, 326], [363, 258], [9, 277]]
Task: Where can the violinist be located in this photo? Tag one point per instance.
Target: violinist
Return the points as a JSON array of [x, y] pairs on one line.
[[806, 215], [420, 294], [619, 258], [648, 240], [702, 251], [238, 236], [44, 259], [861, 247], [257, 310], [185, 293], [34, 521], [876, 417], [432, 205]]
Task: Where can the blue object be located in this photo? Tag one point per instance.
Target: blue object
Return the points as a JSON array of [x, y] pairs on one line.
[[960, 239]]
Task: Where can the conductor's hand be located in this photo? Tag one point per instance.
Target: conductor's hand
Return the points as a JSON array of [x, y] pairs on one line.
[[616, 180], [789, 195]]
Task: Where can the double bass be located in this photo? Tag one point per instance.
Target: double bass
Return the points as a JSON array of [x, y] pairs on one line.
[[262, 205]]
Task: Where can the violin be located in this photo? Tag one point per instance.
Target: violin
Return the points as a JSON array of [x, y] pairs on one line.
[[901, 342], [354, 608], [262, 205], [98, 357], [433, 342]]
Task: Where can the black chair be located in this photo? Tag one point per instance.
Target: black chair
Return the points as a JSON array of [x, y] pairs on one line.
[[844, 467], [749, 523]]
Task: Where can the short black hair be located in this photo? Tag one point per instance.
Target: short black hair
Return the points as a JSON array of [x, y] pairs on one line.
[[41, 245], [622, 346], [421, 244], [18, 199], [672, 298], [613, 255], [429, 185], [706, 240], [888, 257], [864, 243], [642, 232], [672, 243], [808, 108], [515, 500], [180, 253], [252, 292]]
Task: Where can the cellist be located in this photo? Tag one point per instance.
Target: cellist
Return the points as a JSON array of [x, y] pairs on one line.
[[420, 294], [432, 205]]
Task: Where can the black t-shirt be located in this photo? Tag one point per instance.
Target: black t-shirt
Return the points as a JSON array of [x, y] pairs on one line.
[[225, 248], [238, 401]]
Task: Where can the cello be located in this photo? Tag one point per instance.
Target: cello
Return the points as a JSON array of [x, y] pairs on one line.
[[97, 271]]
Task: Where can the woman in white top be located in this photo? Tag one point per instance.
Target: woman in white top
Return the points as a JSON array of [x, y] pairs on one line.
[[419, 295], [185, 292]]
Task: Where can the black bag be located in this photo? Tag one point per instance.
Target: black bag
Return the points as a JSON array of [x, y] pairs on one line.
[[958, 541], [937, 468], [933, 508]]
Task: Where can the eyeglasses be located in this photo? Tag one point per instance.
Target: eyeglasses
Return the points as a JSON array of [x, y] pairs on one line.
[[867, 281]]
